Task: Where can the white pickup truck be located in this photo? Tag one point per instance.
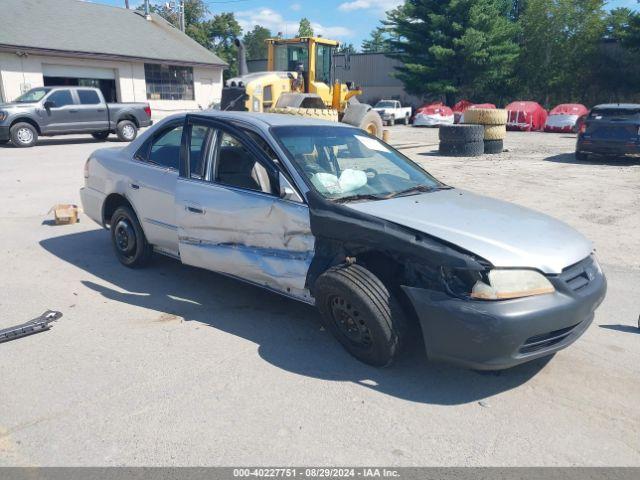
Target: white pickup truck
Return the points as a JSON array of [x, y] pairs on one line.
[[392, 111]]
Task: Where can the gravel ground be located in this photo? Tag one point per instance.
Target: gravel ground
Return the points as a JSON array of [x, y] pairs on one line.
[[176, 366]]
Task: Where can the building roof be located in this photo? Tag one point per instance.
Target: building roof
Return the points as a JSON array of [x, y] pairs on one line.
[[80, 28]]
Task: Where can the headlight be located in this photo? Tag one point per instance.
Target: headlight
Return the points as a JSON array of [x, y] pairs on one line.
[[496, 284], [3, 115], [504, 284]]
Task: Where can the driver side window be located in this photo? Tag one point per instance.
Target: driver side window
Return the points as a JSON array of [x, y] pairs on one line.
[[60, 98]]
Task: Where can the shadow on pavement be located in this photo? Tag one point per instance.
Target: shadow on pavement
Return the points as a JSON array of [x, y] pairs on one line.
[[622, 328], [594, 160], [287, 332]]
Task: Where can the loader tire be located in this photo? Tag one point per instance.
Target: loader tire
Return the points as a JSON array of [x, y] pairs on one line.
[[327, 114], [458, 149], [485, 116], [495, 132], [493, 146], [461, 133]]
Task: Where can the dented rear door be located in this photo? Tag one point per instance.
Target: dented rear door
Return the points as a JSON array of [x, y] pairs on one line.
[[240, 231]]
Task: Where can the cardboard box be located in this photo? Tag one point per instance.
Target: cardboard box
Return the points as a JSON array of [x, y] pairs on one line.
[[65, 214]]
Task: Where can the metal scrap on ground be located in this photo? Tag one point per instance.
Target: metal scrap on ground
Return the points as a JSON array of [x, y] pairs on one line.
[[39, 324]]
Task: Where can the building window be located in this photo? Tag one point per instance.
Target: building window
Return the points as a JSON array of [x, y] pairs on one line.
[[168, 82]]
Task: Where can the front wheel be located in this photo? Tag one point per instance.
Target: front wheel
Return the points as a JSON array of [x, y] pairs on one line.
[[129, 243], [361, 313], [406, 120], [126, 131], [23, 135]]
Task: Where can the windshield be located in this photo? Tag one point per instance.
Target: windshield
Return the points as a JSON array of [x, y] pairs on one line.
[[32, 96], [289, 56], [385, 104], [614, 113], [343, 163]]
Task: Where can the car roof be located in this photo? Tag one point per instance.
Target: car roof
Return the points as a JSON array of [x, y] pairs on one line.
[[623, 106], [268, 119]]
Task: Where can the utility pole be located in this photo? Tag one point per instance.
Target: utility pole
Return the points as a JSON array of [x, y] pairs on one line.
[[126, 4], [182, 22]]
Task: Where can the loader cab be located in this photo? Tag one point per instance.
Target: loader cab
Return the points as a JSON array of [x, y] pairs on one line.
[[309, 56]]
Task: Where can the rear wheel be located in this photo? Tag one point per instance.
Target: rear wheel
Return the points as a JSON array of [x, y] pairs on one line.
[[100, 135], [129, 243], [126, 131], [406, 120], [361, 313], [23, 135]]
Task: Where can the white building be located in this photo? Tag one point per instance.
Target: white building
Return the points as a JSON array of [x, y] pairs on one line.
[[129, 57]]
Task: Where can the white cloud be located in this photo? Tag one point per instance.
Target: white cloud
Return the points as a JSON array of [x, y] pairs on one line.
[[275, 22], [377, 6], [296, 7]]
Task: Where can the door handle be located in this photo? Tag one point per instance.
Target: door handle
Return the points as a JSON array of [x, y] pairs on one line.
[[194, 209], [135, 186]]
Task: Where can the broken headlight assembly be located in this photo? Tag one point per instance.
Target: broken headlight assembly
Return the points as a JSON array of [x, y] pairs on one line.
[[495, 284]]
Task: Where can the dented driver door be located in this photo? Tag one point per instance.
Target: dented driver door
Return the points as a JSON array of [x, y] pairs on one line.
[[230, 216]]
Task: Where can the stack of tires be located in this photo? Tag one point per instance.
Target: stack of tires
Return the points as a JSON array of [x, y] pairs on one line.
[[494, 122], [461, 140]]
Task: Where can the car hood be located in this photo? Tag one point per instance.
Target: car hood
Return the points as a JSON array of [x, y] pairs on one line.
[[6, 106], [505, 234]]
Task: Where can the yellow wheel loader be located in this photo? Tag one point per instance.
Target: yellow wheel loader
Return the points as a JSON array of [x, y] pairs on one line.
[[300, 80]]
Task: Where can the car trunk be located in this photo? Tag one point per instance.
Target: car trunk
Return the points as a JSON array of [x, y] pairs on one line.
[[614, 125]]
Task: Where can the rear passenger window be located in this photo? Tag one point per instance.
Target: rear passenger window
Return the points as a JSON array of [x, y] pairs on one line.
[[60, 98], [200, 138], [165, 149], [88, 97]]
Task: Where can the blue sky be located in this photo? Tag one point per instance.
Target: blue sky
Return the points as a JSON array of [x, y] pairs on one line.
[[345, 20]]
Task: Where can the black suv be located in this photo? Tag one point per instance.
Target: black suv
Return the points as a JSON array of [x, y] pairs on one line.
[[612, 130]]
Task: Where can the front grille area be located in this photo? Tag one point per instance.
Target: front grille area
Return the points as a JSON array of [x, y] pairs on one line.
[[546, 340], [579, 275]]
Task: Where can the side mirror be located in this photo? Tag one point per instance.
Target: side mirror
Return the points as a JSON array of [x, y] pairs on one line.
[[287, 192], [49, 104]]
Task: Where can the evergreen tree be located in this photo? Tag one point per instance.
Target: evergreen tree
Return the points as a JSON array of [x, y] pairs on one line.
[[376, 43], [346, 48], [453, 48]]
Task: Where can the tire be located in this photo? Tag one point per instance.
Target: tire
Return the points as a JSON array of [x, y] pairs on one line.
[[458, 149], [485, 116], [582, 157], [128, 240], [361, 313], [23, 135], [126, 131], [493, 146], [407, 120], [461, 133], [100, 135], [392, 121], [495, 132], [371, 123]]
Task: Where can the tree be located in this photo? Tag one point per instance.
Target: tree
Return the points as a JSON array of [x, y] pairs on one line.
[[255, 44], [454, 47], [376, 43], [305, 29], [195, 12], [223, 29], [346, 48], [560, 41]]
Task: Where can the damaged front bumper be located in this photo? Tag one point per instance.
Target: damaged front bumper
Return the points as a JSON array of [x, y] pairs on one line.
[[494, 335]]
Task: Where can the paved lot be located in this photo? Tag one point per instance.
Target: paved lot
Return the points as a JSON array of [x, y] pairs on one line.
[[176, 366]]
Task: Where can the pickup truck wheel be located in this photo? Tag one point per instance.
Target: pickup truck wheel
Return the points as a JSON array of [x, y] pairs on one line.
[[406, 120], [100, 135], [126, 131], [361, 313], [23, 135], [129, 243]]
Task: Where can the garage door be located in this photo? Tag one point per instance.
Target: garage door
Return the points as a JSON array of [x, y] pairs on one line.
[[74, 71]]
